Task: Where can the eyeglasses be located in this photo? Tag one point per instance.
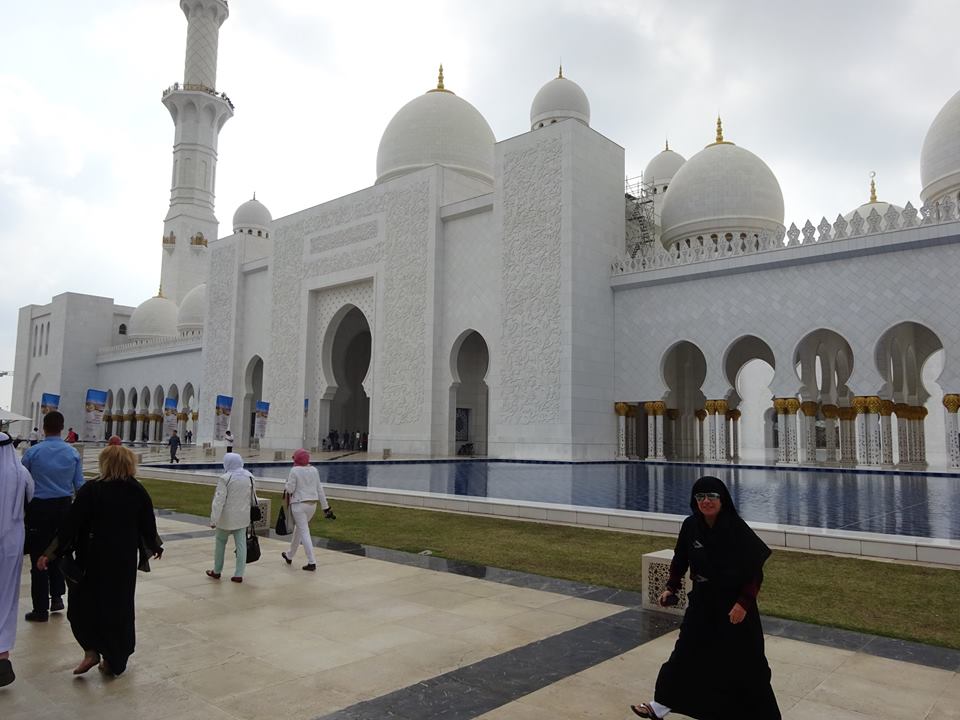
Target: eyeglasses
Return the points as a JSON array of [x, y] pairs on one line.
[[700, 497]]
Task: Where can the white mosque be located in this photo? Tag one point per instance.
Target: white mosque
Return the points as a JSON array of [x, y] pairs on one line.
[[510, 299]]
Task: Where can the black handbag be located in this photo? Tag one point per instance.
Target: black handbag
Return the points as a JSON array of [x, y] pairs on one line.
[[255, 512], [73, 572], [281, 528], [253, 546]]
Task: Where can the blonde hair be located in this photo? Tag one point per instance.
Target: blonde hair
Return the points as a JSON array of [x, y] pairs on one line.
[[117, 463]]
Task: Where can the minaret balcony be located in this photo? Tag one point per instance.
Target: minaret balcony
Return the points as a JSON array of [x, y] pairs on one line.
[[191, 87]]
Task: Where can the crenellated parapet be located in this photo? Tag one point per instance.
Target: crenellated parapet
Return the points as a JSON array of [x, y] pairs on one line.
[[716, 246]]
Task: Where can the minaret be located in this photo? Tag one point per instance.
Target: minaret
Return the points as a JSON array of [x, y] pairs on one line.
[[199, 111]]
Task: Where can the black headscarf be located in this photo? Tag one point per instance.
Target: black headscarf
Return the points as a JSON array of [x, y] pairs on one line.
[[733, 547]]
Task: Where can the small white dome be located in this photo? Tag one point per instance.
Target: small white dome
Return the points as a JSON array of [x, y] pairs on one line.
[[723, 188], [193, 310], [153, 318], [437, 128], [663, 166], [252, 215], [559, 99], [940, 156], [871, 205]]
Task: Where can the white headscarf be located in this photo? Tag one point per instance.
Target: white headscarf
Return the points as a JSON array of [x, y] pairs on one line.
[[16, 485], [233, 464]]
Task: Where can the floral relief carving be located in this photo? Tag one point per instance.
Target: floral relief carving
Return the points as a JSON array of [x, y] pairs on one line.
[[219, 326], [531, 335]]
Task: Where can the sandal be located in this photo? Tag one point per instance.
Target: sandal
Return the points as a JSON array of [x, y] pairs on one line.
[[645, 711], [212, 574]]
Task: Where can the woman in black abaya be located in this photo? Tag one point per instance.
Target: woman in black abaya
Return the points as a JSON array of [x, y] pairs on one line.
[[111, 528], [718, 669]]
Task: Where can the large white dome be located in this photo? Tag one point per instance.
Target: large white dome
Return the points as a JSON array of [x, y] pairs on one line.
[[154, 318], [721, 189], [193, 310], [559, 99], [662, 167], [252, 215], [940, 156], [437, 128]]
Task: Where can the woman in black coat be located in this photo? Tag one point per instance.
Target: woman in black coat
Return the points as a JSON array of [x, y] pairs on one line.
[[718, 669], [112, 529]]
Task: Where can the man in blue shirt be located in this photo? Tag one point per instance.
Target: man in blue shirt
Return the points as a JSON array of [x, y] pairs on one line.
[[57, 474]]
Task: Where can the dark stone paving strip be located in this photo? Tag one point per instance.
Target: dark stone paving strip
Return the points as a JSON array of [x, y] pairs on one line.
[[890, 648], [476, 689]]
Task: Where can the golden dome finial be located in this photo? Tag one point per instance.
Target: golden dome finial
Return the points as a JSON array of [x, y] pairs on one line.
[[666, 144], [560, 74], [254, 194], [440, 78], [719, 130], [873, 187]]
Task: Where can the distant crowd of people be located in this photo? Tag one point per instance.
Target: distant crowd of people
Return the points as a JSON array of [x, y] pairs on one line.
[[335, 440]]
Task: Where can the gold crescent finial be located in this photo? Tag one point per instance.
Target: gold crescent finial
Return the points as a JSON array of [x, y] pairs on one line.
[[560, 74], [719, 130], [666, 144], [254, 194], [873, 187], [440, 78]]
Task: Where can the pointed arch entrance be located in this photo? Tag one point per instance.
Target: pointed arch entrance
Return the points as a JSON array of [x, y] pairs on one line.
[[344, 406], [252, 394], [469, 395]]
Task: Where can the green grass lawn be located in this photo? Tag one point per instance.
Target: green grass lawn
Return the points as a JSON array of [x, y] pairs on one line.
[[894, 600]]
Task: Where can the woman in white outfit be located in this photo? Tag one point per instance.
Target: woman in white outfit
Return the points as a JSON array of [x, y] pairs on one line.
[[230, 514], [303, 490]]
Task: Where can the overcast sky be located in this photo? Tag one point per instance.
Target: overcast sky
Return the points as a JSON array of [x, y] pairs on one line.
[[824, 92]]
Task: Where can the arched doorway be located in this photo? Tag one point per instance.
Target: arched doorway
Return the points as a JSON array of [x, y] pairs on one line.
[[252, 394], [346, 403], [823, 362], [684, 370], [469, 394], [750, 366], [134, 410]]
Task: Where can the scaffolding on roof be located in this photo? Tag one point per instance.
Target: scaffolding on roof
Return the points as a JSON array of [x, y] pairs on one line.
[[641, 219]]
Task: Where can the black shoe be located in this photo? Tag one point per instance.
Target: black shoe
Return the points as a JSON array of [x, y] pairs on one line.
[[286, 559], [328, 514], [56, 605], [6, 672], [309, 568], [36, 616]]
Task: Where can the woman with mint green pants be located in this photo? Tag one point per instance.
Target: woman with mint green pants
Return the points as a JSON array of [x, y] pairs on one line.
[[230, 514]]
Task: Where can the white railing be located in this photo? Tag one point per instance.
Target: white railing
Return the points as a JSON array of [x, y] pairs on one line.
[[707, 247], [162, 343]]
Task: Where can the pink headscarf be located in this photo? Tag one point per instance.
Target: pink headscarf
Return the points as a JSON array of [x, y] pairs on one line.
[[114, 440], [301, 457]]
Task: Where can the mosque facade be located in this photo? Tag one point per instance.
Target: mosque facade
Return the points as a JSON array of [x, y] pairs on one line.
[[510, 299]]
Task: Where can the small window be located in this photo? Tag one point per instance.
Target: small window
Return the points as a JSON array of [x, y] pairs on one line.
[[122, 329], [259, 233], [249, 232]]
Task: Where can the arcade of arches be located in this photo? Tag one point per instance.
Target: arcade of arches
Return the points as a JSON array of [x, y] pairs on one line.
[[137, 415], [826, 422]]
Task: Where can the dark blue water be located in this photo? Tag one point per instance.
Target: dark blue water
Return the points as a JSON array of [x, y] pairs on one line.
[[923, 506]]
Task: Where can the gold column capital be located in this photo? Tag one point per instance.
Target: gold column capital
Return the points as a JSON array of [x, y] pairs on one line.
[[721, 407], [809, 408], [659, 407], [648, 407], [951, 402], [711, 407], [860, 404], [621, 408], [780, 405], [735, 414], [701, 414], [886, 408], [793, 405], [874, 404], [831, 412]]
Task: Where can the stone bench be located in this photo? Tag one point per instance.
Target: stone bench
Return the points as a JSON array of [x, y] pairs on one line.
[[656, 571]]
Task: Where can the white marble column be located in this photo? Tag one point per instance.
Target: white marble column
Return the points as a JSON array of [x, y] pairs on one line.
[[848, 435], [632, 433], [651, 431], [711, 408], [921, 435], [701, 416], [902, 411], [721, 427], [790, 421], [886, 433], [951, 403], [621, 409], [863, 451], [830, 429], [808, 409], [780, 407], [872, 425], [659, 408], [735, 434]]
